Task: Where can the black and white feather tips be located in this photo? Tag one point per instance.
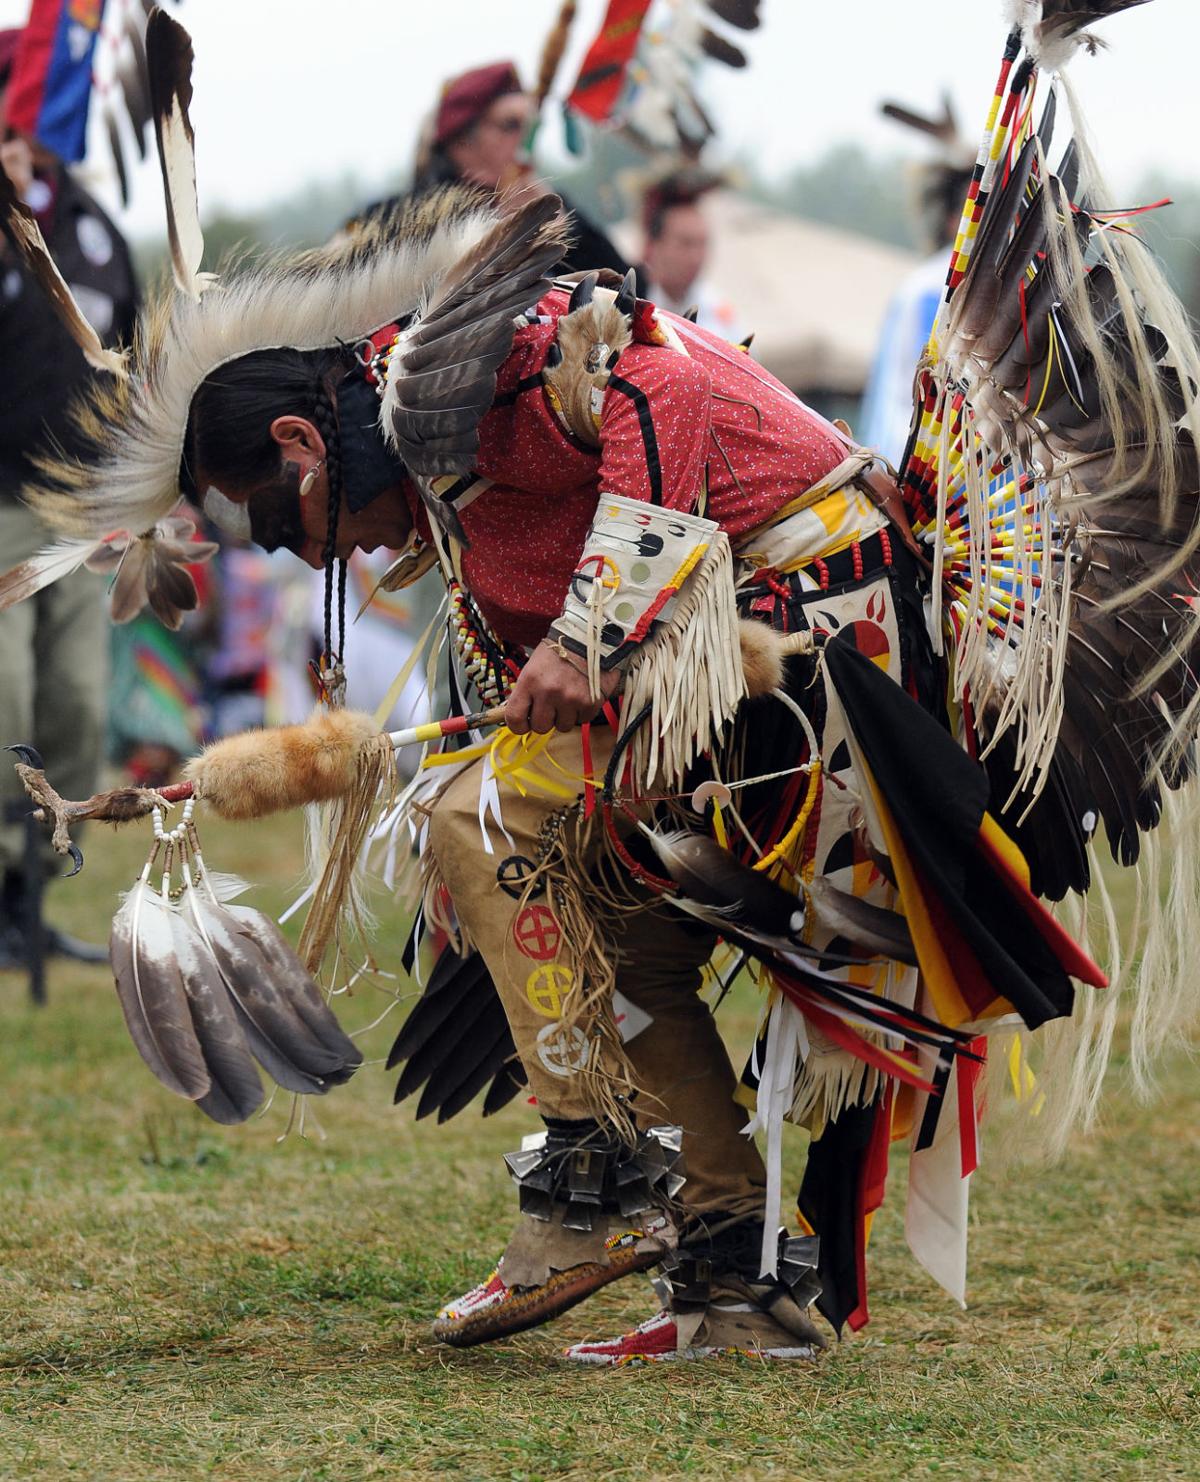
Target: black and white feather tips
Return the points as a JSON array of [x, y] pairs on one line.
[[169, 65]]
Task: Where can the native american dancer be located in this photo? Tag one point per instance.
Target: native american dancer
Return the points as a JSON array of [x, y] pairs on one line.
[[754, 693]]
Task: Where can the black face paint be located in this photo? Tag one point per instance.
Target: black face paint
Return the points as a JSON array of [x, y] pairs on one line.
[[275, 516], [368, 465]]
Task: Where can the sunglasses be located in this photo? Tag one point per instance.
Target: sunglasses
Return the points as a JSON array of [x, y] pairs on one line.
[[508, 125]]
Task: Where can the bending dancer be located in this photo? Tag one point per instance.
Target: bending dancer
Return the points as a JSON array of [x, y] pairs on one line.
[[726, 716]]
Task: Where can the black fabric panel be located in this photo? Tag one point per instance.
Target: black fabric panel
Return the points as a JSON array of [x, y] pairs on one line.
[[828, 1200], [526, 383], [937, 796]]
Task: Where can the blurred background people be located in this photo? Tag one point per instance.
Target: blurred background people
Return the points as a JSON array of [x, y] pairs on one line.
[[940, 189], [55, 646], [675, 250], [479, 133]]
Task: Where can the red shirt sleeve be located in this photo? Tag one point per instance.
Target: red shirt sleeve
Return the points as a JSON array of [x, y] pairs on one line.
[[654, 427]]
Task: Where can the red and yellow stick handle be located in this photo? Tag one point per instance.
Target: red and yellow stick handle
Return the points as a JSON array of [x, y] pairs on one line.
[[455, 725]]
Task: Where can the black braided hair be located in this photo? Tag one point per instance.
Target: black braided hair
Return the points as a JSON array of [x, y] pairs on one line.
[[342, 566], [326, 423]]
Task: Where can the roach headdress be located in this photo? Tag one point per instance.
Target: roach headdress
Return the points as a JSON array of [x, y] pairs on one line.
[[452, 269]]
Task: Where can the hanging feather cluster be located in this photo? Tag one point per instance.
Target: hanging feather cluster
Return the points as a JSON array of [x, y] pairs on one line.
[[150, 569], [210, 989]]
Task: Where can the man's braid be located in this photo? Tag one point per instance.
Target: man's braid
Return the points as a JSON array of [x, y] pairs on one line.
[[326, 423]]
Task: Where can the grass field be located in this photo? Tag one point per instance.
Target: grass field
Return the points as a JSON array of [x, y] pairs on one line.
[[182, 1301]]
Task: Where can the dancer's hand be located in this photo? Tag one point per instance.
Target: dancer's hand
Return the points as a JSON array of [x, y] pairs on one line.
[[552, 694]]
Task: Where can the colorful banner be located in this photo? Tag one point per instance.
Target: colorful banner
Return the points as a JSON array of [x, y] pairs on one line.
[[602, 74], [51, 84]]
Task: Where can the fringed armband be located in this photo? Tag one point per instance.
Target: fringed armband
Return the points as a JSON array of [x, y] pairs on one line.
[[653, 592]]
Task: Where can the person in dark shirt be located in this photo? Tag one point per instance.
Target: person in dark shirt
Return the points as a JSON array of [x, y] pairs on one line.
[[56, 645], [477, 135]]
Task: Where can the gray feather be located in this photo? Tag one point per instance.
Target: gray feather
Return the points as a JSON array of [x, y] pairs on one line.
[[236, 1090], [142, 953]]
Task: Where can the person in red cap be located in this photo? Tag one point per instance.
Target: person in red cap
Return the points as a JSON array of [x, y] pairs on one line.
[[477, 135]]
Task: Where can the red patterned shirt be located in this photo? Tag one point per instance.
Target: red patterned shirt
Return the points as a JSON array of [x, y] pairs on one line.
[[671, 425]]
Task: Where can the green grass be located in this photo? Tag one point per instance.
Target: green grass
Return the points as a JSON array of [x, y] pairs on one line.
[[182, 1301]]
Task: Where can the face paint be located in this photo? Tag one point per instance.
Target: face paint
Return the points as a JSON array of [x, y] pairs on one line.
[[233, 518], [276, 522]]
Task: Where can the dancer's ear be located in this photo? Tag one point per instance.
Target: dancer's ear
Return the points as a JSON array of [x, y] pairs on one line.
[[298, 439]]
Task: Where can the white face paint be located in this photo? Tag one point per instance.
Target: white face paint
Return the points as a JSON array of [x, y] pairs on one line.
[[233, 518]]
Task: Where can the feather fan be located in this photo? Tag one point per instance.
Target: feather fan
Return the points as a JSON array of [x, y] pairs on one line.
[[208, 988], [1066, 502], [297, 1057], [235, 1090]]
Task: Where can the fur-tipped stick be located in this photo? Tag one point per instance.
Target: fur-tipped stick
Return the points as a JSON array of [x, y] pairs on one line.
[[262, 772]]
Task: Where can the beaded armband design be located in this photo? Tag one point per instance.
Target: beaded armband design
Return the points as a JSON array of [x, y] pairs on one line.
[[635, 559]]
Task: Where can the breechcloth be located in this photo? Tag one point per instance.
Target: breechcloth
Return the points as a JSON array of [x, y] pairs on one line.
[[677, 1059]]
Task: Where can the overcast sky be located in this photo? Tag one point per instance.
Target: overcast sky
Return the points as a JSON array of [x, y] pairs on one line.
[[291, 91]]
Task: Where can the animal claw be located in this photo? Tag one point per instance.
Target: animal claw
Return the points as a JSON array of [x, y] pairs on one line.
[[76, 854], [28, 754]]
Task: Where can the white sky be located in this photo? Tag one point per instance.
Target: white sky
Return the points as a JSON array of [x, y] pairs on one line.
[[295, 91]]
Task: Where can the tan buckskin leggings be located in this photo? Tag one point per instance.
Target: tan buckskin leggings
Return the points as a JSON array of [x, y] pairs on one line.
[[678, 1060]]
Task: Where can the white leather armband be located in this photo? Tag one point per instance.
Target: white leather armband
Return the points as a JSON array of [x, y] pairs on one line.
[[635, 560]]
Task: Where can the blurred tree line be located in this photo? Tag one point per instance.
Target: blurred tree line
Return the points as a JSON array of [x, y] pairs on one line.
[[845, 187]]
